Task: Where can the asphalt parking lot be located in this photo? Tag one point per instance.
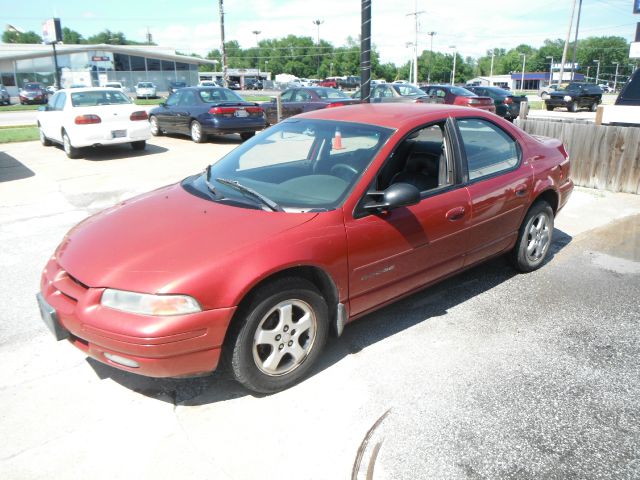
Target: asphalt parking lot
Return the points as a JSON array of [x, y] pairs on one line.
[[489, 375]]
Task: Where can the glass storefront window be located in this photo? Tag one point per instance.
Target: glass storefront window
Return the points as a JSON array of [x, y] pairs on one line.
[[182, 66], [121, 62], [153, 65], [137, 64], [168, 66], [7, 79]]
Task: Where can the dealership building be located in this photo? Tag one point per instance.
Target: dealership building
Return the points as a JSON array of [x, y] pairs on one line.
[[94, 65]]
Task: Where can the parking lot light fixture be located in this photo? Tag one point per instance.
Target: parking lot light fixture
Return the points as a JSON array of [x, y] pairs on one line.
[[453, 72], [524, 62], [550, 70]]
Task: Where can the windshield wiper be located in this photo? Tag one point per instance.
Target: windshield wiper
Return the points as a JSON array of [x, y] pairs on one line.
[[238, 186]]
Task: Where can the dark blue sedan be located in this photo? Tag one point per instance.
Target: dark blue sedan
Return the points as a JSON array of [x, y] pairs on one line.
[[203, 111]]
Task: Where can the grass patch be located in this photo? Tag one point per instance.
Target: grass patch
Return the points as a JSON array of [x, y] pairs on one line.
[[17, 108], [149, 101], [18, 134], [536, 105], [256, 98]]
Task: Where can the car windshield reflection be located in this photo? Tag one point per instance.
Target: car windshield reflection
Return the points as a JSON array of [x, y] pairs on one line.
[[303, 164]]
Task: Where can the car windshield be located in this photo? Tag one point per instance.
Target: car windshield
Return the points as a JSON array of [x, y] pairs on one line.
[[218, 94], [330, 93], [573, 86], [145, 85], [463, 92], [406, 89], [32, 86], [300, 164], [99, 97], [178, 84]]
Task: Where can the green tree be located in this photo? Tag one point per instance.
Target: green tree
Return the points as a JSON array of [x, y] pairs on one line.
[[71, 36], [21, 37], [109, 37]]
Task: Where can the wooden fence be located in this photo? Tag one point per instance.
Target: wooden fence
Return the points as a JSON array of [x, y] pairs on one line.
[[602, 157]]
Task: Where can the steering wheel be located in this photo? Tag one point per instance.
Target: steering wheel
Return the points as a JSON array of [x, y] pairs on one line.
[[344, 171]]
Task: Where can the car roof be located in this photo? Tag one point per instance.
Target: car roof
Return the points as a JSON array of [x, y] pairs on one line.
[[390, 115], [86, 89]]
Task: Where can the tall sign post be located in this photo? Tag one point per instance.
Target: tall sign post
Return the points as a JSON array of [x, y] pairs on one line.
[[52, 34]]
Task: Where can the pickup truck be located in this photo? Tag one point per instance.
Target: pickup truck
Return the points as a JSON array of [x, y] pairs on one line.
[[330, 82], [575, 96]]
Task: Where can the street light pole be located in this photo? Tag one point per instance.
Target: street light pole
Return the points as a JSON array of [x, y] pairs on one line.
[[453, 73], [317, 23], [588, 72], [225, 76], [524, 60], [493, 54], [415, 14], [431, 34], [597, 71], [615, 79], [256, 33], [550, 71]]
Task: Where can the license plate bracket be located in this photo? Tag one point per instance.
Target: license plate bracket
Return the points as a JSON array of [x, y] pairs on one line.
[[241, 113], [118, 133], [50, 319]]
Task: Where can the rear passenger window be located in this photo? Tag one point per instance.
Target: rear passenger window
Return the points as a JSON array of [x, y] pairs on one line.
[[488, 148]]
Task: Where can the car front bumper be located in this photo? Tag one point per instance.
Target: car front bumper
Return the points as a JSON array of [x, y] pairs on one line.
[[173, 346]]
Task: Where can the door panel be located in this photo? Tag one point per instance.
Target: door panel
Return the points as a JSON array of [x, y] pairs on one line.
[[401, 250]]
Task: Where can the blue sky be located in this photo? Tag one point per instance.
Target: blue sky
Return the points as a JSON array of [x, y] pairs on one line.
[[472, 26]]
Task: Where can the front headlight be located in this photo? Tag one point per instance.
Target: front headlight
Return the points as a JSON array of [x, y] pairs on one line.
[[567, 98], [147, 304]]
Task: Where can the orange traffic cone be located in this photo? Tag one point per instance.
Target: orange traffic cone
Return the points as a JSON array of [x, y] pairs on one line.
[[337, 141]]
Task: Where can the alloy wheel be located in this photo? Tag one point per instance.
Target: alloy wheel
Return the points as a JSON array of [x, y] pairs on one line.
[[538, 238], [284, 338]]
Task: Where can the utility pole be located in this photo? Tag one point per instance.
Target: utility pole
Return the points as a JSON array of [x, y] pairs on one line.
[[415, 43], [566, 43], [453, 72], [365, 51], [317, 23], [615, 79], [575, 43], [431, 34], [149, 37], [256, 33], [225, 75], [597, 71], [550, 71]]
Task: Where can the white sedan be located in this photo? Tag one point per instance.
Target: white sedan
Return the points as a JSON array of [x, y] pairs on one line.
[[85, 117]]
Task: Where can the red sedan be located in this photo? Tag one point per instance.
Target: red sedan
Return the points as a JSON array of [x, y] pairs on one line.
[[311, 224], [452, 95]]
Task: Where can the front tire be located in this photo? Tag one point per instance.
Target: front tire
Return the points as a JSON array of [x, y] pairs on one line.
[[594, 107], [550, 108], [284, 329], [155, 128], [247, 135], [534, 238], [572, 107], [70, 150], [43, 138], [196, 132]]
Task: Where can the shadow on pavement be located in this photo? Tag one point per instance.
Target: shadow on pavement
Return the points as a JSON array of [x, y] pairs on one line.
[[230, 139], [12, 169], [117, 152], [432, 302]]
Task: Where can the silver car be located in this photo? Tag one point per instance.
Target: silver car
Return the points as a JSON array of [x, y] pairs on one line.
[[146, 90]]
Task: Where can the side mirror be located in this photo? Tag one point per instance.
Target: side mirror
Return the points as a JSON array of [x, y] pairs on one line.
[[395, 196]]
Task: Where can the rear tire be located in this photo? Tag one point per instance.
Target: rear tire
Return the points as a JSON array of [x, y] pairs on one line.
[[594, 107], [283, 331], [196, 132], [550, 108], [139, 145], [247, 135], [572, 107], [534, 238], [70, 150]]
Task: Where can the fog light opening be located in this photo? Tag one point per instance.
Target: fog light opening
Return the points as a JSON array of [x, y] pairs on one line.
[[127, 362]]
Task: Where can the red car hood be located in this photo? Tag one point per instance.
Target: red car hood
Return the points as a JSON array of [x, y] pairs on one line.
[[152, 242]]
